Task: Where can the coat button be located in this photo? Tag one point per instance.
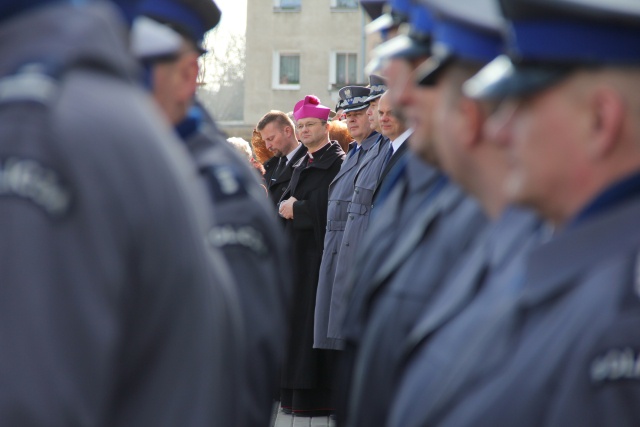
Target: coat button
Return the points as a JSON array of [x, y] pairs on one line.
[[350, 216], [338, 203]]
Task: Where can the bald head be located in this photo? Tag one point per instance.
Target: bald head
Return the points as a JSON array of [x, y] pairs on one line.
[[392, 124]]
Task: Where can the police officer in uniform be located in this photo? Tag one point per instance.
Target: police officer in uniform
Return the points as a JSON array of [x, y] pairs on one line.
[[246, 226], [341, 190], [431, 371], [407, 189], [113, 311], [569, 81], [445, 225], [359, 211]]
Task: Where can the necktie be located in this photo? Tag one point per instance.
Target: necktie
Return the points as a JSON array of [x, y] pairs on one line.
[[387, 156], [353, 151], [281, 165]]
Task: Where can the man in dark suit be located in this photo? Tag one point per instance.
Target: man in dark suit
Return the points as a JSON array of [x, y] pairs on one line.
[[279, 135]]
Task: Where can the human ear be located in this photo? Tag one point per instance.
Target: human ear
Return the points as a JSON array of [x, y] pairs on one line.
[[470, 122], [607, 110]]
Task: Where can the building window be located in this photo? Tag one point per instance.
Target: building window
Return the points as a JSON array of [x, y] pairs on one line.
[[287, 5], [344, 4], [344, 68], [286, 70]]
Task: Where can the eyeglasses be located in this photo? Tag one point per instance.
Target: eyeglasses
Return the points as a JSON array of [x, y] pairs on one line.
[[301, 126]]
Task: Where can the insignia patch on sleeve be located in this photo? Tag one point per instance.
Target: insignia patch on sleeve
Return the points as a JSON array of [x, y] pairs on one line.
[[245, 236], [224, 183], [30, 180], [616, 364]]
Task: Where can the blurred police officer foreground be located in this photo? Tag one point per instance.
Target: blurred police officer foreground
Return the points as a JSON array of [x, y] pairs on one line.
[[556, 343], [246, 227], [112, 310]]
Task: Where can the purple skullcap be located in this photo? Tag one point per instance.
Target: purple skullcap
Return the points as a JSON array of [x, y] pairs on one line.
[[310, 107]]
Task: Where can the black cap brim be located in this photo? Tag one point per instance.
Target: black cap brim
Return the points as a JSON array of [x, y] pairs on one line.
[[501, 78], [374, 97], [430, 70], [356, 108], [402, 47], [381, 23]]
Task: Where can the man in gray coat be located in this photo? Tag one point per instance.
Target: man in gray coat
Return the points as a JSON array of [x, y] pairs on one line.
[[341, 190], [359, 211], [113, 311]]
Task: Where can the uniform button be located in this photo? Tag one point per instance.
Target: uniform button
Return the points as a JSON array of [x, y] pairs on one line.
[[338, 203], [350, 216], [346, 244], [357, 190]]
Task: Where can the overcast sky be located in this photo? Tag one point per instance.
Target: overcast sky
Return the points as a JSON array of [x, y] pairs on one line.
[[234, 14], [234, 21]]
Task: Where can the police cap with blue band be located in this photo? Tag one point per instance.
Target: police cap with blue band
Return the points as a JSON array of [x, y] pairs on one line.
[[9, 8], [415, 44], [377, 86], [468, 31], [354, 98], [547, 39], [396, 15], [191, 18]]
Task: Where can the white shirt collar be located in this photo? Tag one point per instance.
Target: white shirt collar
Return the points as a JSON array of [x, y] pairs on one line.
[[293, 153], [396, 143]]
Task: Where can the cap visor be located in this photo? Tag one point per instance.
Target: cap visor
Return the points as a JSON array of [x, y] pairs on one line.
[[356, 108], [381, 23], [429, 71], [374, 97], [502, 79], [151, 39], [402, 47]]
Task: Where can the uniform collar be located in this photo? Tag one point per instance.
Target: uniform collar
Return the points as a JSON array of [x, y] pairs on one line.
[[621, 191], [554, 266], [368, 142]]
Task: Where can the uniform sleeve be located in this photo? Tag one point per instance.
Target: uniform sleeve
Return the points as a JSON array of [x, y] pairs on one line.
[[601, 386], [112, 311]]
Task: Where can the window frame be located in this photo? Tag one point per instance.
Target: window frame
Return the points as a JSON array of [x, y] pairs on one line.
[[275, 81], [333, 68], [278, 7], [336, 6]]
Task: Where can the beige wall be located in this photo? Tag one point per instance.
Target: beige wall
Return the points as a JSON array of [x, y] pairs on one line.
[[314, 31]]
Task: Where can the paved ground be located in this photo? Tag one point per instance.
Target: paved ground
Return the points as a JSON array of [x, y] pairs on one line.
[[281, 419]]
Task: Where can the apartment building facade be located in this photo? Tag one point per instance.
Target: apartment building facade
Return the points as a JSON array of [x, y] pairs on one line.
[[301, 47]]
